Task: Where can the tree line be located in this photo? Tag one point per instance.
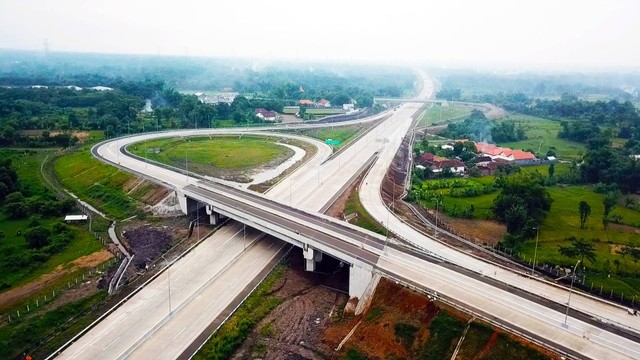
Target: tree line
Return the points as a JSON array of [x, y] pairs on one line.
[[478, 128]]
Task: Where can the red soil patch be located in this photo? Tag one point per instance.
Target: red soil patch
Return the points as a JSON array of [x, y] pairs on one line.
[[375, 337]]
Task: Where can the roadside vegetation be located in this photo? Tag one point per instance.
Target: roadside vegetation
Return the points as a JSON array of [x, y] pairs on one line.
[[40, 257], [34, 239], [224, 342], [353, 207], [342, 134]]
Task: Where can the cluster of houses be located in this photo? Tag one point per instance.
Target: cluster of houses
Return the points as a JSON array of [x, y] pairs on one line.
[[73, 87], [324, 103], [488, 158]]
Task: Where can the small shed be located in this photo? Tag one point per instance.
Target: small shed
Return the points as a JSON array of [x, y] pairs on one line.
[[75, 218]]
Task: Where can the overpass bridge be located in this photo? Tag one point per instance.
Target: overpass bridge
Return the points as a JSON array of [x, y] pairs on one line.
[[314, 233]]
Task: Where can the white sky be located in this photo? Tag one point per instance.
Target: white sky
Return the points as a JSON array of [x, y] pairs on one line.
[[588, 33]]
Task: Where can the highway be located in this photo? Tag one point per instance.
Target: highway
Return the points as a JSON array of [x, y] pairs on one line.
[[581, 339], [130, 332]]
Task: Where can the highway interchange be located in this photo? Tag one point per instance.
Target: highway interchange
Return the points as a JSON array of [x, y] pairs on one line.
[[200, 290]]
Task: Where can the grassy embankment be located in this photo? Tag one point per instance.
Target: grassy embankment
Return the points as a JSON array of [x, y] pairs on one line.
[[101, 185], [436, 114], [208, 156], [363, 218], [232, 333], [542, 136], [31, 335], [344, 134]]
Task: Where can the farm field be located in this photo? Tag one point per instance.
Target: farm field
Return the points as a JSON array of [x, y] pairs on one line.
[[542, 136]]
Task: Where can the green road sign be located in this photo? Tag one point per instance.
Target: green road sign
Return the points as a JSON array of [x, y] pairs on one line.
[[332, 142]]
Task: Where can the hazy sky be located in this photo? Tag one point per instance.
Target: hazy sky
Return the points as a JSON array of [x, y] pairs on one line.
[[539, 32]]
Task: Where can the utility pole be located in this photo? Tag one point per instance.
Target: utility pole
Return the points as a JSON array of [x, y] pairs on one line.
[[535, 252]]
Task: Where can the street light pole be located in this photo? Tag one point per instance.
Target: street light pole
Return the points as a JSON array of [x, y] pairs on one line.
[[573, 276], [437, 207], [535, 252]]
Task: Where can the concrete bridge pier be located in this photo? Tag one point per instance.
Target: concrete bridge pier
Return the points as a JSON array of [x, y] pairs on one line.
[[214, 216], [362, 285], [312, 256], [187, 204]]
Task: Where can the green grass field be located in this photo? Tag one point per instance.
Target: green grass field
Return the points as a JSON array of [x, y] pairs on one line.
[[228, 153], [543, 136], [13, 244], [438, 113]]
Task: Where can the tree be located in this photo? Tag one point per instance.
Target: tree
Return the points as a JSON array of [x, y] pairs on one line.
[[579, 248], [525, 188], [635, 256], [609, 202], [552, 170], [585, 211], [37, 237]]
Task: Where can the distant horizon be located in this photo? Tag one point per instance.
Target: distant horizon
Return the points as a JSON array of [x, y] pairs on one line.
[[495, 68], [490, 34]]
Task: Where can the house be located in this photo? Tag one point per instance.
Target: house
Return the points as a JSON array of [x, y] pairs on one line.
[[101, 88], [306, 102], [456, 166], [488, 166], [265, 114], [427, 159], [495, 152], [438, 164], [348, 107], [446, 147], [202, 97], [483, 159], [323, 103]]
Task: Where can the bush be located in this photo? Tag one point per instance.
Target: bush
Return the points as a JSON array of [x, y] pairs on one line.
[[406, 333], [37, 237]]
